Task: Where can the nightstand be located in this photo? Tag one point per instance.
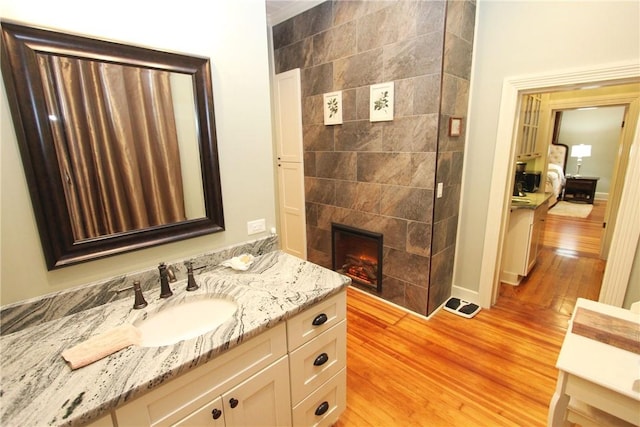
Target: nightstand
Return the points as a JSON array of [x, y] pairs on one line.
[[580, 188]]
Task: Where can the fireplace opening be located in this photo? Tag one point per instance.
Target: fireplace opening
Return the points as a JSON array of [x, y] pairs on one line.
[[358, 254]]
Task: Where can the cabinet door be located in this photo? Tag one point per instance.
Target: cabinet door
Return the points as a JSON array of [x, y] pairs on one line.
[[537, 235], [530, 110], [105, 421], [532, 250], [516, 251], [262, 400], [210, 415], [288, 115], [293, 224]]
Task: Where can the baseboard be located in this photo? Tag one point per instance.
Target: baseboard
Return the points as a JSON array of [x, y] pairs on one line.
[[399, 307], [601, 196]]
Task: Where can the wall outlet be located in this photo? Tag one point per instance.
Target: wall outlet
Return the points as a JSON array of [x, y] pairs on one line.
[[256, 226], [439, 190]]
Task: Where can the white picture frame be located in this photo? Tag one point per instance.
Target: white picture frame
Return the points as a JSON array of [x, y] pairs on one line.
[[332, 106], [381, 102]]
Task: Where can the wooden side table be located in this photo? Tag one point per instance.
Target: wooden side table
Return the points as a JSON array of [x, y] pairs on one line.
[[598, 381], [580, 188]]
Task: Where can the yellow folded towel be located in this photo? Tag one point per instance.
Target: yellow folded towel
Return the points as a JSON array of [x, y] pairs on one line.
[[102, 345]]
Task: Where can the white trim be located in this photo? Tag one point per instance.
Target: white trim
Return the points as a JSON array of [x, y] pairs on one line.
[[463, 189], [503, 167], [399, 307], [279, 11], [626, 234]]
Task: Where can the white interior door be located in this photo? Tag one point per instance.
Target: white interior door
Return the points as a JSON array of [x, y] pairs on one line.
[[288, 112], [292, 215], [288, 130]]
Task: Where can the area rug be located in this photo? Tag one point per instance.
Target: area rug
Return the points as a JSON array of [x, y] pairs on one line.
[[576, 210]]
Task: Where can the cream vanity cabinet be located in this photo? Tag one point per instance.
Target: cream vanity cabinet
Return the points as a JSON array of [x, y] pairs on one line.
[[292, 374], [247, 385], [523, 242]]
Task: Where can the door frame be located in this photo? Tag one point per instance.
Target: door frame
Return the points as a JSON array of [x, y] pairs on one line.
[[623, 244]]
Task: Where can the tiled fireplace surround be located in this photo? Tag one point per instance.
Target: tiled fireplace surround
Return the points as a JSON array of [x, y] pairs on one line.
[[381, 176]]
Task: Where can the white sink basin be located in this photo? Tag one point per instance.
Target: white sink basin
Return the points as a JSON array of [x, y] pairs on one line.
[[184, 321]]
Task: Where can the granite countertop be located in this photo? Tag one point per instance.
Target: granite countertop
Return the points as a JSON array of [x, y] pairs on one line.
[[534, 200], [39, 388]]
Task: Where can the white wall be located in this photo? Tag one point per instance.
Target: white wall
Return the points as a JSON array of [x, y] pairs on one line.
[[517, 39], [600, 128], [233, 34]]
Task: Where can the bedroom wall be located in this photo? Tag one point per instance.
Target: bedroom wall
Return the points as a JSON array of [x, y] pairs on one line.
[[517, 39], [601, 129]]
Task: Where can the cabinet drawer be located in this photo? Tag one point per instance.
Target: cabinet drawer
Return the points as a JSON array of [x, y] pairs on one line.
[[330, 398], [301, 328], [317, 361], [181, 396]]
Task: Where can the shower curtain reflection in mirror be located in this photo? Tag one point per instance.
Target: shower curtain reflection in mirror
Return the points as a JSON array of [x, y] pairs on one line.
[[116, 143]]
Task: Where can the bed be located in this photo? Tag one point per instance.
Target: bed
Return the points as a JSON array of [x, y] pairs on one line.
[[556, 168]]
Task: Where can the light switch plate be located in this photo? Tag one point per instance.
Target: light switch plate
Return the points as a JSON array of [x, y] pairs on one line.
[[256, 226], [439, 190]]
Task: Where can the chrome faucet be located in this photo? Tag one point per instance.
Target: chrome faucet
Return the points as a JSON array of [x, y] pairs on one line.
[[166, 275]]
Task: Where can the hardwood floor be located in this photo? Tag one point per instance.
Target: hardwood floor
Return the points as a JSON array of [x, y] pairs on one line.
[[568, 266], [497, 369], [577, 234]]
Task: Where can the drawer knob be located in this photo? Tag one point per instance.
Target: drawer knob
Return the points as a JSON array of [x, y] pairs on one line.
[[320, 319], [321, 359], [216, 413], [322, 408], [233, 402]]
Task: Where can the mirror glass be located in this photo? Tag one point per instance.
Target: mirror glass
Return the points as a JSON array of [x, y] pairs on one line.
[[118, 142]]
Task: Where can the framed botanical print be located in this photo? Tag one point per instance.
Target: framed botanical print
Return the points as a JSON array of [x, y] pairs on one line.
[[381, 102], [455, 126], [333, 108]]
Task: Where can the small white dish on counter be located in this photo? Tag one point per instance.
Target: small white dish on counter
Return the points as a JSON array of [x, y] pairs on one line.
[[241, 262]]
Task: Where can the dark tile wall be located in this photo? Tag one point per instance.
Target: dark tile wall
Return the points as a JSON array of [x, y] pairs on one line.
[[381, 176]]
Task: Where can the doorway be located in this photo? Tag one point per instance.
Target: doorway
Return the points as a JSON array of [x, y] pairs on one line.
[[600, 129], [618, 270], [568, 266]]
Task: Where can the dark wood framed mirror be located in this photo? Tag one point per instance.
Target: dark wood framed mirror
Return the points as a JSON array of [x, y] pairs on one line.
[[81, 164]]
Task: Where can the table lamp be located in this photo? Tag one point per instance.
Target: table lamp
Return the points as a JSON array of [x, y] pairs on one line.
[[580, 151]]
